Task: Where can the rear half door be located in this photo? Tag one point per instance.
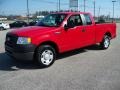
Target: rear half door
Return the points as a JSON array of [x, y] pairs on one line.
[[89, 30]]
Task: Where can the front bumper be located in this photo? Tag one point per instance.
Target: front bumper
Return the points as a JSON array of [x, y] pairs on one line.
[[20, 52]]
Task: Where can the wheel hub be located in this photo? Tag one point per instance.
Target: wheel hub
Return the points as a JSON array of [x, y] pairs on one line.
[[106, 43], [47, 57]]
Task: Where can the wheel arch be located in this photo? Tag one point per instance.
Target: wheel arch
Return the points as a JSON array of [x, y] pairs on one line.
[[51, 43], [109, 34]]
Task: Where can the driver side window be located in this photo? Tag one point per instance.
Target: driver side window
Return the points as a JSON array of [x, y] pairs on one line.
[[74, 20]]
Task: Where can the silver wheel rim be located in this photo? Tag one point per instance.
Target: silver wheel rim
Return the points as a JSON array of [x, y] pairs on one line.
[[106, 42], [47, 57]]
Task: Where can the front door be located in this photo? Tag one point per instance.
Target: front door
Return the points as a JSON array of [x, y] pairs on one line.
[[73, 36]]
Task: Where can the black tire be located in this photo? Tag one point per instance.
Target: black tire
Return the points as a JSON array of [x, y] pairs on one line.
[[40, 57], [1, 28], [105, 42], [23, 25]]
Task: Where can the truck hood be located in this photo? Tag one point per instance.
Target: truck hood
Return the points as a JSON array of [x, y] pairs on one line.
[[31, 31]]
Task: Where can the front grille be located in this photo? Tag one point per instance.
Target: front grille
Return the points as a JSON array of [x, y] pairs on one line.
[[11, 39]]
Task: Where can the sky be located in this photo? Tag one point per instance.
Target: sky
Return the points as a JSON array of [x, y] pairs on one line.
[[13, 7]]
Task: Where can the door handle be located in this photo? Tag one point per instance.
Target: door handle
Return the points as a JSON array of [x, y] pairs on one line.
[[58, 32], [83, 30]]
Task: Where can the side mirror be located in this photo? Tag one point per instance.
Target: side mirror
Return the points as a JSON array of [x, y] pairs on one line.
[[66, 27]]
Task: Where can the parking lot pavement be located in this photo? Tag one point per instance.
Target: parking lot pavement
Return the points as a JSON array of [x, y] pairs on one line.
[[85, 69]]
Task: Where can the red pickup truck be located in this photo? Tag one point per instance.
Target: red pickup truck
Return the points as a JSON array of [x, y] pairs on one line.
[[58, 33]]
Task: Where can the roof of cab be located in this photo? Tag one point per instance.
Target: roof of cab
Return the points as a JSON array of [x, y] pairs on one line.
[[72, 13]]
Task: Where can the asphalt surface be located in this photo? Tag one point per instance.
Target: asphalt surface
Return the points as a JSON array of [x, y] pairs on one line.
[[84, 69]]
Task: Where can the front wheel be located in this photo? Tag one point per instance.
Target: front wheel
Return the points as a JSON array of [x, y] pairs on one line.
[[105, 42], [45, 55]]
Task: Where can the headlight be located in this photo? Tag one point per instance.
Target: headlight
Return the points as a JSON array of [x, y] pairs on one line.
[[23, 40]]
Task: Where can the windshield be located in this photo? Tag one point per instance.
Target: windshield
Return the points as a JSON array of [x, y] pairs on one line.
[[52, 20]]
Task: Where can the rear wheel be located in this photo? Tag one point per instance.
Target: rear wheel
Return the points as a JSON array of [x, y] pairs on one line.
[[45, 55], [105, 42]]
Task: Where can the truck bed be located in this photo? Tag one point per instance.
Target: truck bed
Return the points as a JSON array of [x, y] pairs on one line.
[[102, 28]]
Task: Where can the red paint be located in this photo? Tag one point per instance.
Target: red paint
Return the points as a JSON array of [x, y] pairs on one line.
[[70, 39]]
